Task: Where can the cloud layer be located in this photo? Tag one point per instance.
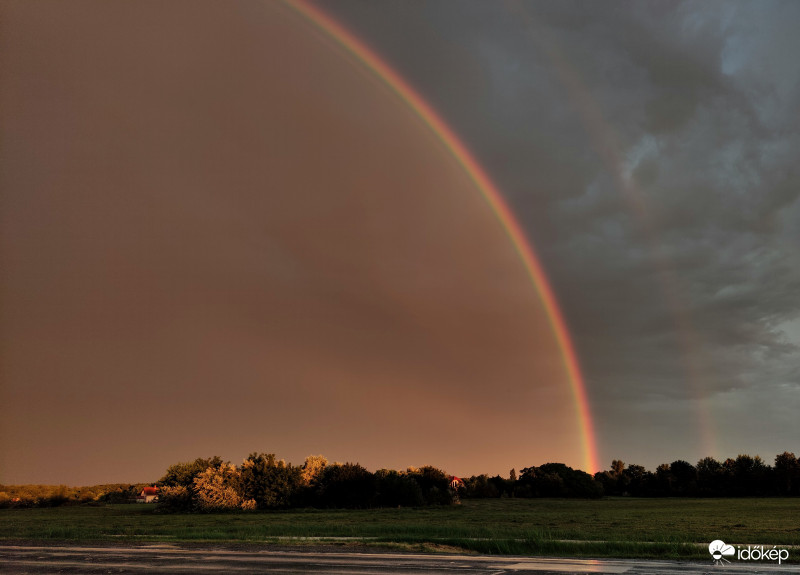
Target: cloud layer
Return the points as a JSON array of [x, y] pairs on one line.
[[650, 150]]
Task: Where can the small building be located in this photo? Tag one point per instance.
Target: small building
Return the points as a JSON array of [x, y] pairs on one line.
[[148, 495], [456, 483]]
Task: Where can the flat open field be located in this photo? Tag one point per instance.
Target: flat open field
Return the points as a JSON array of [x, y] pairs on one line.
[[612, 527]]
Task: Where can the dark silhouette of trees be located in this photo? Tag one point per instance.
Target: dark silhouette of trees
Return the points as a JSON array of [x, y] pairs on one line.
[[712, 477], [479, 487], [749, 475], [346, 485], [787, 474], [558, 480], [434, 483], [264, 482], [637, 480], [397, 489], [684, 478], [268, 482], [633, 480], [744, 476]]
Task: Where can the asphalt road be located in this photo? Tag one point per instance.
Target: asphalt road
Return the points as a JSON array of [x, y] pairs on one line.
[[169, 559]]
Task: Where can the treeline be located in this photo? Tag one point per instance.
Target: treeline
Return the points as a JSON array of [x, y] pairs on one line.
[[744, 476], [264, 482], [57, 495], [548, 480], [740, 477]]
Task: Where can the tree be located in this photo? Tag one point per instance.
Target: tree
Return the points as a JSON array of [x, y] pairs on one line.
[[685, 478], [269, 482], [434, 483], [478, 487], [711, 477], [346, 485], [397, 489], [638, 480], [558, 480], [218, 488], [177, 488], [312, 468], [183, 474], [787, 474], [748, 475], [174, 498]]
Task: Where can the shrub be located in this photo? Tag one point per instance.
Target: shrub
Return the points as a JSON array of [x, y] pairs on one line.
[[174, 498], [218, 488]]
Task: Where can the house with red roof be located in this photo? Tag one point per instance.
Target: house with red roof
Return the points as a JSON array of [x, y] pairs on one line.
[[148, 495], [456, 483]]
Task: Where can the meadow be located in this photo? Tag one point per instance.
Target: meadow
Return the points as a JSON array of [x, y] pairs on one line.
[[610, 527]]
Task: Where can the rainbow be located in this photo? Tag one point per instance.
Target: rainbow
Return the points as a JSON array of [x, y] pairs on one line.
[[490, 192]]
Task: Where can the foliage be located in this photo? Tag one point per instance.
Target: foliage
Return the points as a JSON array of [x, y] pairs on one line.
[[174, 498], [787, 474], [264, 482], [270, 483], [57, 495], [185, 473], [479, 487], [346, 485], [558, 480], [397, 489], [312, 468], [744, 476], [434, 485], [218, 488]]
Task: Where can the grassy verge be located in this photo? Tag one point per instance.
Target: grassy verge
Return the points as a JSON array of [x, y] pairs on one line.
[[664, 528]]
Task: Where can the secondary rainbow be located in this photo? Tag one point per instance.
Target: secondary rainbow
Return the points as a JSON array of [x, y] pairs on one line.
[[606, 143], [478, 175]]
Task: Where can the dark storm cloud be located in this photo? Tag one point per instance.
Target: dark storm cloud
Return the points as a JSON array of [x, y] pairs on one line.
[[649, 148]]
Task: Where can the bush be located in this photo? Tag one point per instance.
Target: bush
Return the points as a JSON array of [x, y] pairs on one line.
[[174, 498], [218, 488]]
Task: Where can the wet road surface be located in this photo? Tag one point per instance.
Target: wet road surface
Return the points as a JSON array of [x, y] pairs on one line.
[[170, 559]]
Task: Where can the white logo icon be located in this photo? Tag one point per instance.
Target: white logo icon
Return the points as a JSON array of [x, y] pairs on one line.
[[719, 551]]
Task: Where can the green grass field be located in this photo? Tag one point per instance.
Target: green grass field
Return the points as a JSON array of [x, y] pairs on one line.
[[611, 527]]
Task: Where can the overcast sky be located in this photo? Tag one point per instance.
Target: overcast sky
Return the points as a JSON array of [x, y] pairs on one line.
[[650, 149], [223, 234]]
